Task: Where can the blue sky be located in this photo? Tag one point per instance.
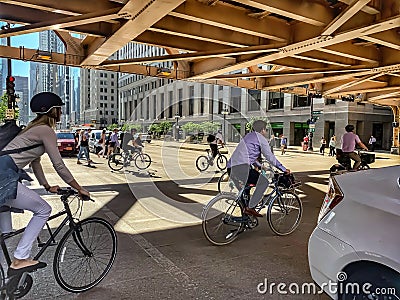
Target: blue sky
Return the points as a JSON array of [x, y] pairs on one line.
[[31, 41]]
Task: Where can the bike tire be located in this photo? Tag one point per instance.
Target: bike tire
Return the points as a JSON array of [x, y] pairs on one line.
[[222, 209], [225, 184], [72, 267], [142, 161], [222, 161], [116, 161], [25, 288], [202, 163], [3, 293], [284, 213]]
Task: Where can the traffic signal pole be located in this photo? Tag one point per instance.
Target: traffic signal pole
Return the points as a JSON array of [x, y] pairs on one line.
[[311, 134], [10, 83]]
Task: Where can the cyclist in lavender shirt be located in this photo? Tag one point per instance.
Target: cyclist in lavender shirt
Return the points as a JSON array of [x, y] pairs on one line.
[[244, 165], [349, 142]]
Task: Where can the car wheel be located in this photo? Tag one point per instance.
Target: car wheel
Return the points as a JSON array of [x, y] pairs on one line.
[[369, 283]]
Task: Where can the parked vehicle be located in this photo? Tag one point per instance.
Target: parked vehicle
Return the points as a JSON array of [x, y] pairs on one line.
[[356, 240], [66, 143], [144, 137]]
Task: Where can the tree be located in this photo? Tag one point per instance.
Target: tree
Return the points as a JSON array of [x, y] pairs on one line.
[[249, 125], [191, 127], [166, 126], [111, 127], [128, 127], [209, 127], [4, 107]]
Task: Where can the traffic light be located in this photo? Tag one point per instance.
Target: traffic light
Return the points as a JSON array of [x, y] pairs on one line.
[[10, 85]]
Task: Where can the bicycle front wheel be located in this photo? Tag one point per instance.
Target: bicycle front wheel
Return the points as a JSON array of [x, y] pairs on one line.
[[142, 161], [202, 163], [222, 219], [85, 255], [221, 162], [284, 213], [116, 161]]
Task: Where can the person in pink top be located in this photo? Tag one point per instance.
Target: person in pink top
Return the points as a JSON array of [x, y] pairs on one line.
[[349, 142]]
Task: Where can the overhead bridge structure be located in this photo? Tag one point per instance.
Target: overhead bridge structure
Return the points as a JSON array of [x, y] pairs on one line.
[[337, 48]]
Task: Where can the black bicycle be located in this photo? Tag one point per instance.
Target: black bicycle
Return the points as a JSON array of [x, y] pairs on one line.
[[117, 161], [204, 161], [83, 257], [223, 218]]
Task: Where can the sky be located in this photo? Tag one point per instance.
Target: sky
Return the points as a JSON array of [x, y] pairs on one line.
[[31, 41]]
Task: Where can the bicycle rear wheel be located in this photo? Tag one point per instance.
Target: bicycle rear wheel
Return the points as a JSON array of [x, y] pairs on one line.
[[202, 163], [142, 161], [222, 219], [116, 161], [284, 213], [85, 255], [225, 184], [221, 162]]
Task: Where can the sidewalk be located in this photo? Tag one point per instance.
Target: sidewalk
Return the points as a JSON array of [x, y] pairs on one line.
[[231, 146]]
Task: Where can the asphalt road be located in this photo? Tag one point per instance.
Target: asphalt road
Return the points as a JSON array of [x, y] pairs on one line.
[[162, 253]]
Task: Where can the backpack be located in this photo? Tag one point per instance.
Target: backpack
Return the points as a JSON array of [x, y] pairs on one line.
[[210, 138], [8, 132]]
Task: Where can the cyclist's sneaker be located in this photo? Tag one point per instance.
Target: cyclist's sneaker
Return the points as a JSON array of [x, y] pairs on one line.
[[252, 211], [32, 268]]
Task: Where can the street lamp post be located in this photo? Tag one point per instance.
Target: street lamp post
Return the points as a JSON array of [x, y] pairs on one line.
[[177, 116], [225, 112]]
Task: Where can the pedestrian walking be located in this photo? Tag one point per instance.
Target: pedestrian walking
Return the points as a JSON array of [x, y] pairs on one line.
[[332, 146], [283, 144], [102, 142], [84, 147], [371, 143], [323, 146]]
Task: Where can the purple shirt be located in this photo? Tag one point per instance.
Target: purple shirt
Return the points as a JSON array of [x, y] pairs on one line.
[[250, 148], [349, 141]]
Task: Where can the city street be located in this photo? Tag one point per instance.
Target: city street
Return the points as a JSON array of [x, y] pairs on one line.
[[162, 252]]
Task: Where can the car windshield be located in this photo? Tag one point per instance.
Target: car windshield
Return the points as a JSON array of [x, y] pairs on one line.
[[65, 136]]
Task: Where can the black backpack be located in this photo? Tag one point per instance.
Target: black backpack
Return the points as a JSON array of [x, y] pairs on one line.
[[210, 138], [8, 132]]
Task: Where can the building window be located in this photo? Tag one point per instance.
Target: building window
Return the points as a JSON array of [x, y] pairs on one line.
[[101, 104], [202, 99], [254, 102], [162, 106], [148, 108], [170, 108], [180, 102], [191, 100], [301, 101], [154, 106], [236, 97], [220, 105], [330, 101], [275, 100], [112, 98]]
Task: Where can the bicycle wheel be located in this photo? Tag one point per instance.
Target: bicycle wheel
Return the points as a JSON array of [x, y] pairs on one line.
[[221, 162], [85, 255], [225, 184], [3, 294], [222, 219], [116, 161], [142, 161], [202, 163], [284, 213]]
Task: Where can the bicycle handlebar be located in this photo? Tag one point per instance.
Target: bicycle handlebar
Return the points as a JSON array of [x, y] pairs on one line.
[[71, 192]]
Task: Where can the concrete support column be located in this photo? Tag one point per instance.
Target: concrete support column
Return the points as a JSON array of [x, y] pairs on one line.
[[396, 131]]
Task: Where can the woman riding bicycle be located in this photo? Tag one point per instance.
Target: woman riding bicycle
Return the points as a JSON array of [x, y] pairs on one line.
[[243, 164], [41, 136]]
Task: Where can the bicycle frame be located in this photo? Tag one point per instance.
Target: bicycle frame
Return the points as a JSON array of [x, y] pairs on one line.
[[69, 218]]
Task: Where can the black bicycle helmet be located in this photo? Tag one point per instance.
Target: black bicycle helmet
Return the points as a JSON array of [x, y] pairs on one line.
[[43, 102]]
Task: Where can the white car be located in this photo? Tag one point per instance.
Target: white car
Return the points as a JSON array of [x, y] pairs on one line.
[[355, 248]]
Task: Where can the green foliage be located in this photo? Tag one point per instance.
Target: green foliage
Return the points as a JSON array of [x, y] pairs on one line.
[[4, 106], [191, 127], [209, 127], [249, 125], [112, 127], [165, 126], [127, 127]]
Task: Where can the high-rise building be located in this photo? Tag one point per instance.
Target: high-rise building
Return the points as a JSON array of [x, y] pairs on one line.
[[3, 67], [98, 97], [22, 91]]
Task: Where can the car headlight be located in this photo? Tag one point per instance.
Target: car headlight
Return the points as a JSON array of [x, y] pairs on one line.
[[58, 144]]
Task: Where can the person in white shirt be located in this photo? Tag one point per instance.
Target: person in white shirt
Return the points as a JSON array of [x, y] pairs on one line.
[[372, 142]]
